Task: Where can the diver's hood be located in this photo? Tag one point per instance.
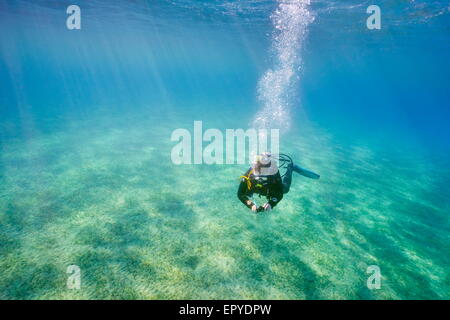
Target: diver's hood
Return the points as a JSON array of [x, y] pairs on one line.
[[269, 169]]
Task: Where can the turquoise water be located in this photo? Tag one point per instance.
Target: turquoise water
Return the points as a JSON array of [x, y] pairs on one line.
[[86, 176]]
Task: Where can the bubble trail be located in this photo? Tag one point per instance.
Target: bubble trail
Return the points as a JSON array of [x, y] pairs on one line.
[[277, 86]]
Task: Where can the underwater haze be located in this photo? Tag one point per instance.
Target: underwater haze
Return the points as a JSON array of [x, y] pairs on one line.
[[86, 177]]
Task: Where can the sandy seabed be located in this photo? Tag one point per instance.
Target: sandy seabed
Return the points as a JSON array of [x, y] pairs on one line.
[[103, 194]]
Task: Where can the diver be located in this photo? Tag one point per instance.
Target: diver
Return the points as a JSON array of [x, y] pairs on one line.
[[264, 179]]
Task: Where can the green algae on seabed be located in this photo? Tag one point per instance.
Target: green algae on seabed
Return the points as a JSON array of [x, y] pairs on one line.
[[139, 227]]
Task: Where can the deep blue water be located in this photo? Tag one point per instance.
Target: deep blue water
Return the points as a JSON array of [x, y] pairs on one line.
[[390, 82]]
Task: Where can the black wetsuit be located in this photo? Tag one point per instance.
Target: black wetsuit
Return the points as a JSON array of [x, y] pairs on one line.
[[272, 187]]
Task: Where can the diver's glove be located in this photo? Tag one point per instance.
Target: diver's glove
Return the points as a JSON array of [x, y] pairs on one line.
[[266, 207], [251, 206]]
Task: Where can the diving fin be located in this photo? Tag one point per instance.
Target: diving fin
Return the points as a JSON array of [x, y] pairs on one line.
[[305, 173]]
